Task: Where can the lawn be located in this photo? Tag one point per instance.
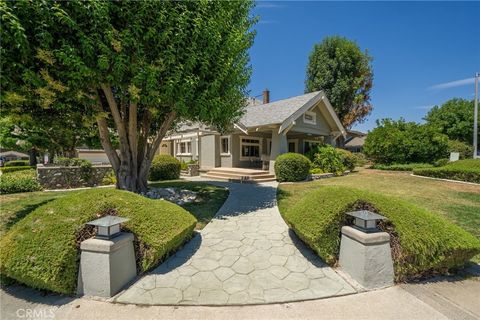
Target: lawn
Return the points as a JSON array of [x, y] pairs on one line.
[[14, 207], [458, 202]]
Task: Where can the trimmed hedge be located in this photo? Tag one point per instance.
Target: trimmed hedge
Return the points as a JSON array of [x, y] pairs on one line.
[[428, 242], [292, 167], [17, 163], [42, 250], [19, 181], [400, 166], [13, 169], [165, 167], [462, 170]]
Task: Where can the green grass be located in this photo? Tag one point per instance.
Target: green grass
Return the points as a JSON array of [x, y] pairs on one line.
[[428, 242], [211, 199], [462, 170], [41, 250]]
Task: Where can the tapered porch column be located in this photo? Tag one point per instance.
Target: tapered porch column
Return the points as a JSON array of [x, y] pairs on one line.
[[279, 146]]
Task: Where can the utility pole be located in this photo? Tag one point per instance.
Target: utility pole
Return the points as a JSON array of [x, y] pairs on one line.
[[475, 119]]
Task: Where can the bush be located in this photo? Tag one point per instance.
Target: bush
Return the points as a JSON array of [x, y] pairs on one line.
[[427, 242], [292, 167], [316, 171], [465, 150], [71, 162], [462, 170], [441, 162], [405, 142], [360, 159], [164, 167], [329, 160], [109, 178], [19, 181], [17, 163], [348, 160], [400, 167], [13, 169], [42, 250]]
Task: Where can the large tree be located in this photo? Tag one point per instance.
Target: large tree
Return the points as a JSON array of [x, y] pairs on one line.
[[344, 72], [453, 118], [137, 67]]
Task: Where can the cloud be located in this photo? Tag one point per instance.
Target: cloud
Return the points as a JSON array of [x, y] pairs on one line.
[[268, 5], [452, 84], [267, 21]]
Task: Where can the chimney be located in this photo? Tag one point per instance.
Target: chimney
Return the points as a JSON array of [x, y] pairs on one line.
[[266, 96]]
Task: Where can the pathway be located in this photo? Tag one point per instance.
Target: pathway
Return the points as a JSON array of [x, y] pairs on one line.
[[245, 255]]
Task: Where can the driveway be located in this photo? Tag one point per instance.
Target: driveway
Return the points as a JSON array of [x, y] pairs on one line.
[[245, 255]]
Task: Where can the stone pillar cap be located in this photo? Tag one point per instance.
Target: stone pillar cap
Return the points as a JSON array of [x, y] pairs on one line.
[[365, 238]]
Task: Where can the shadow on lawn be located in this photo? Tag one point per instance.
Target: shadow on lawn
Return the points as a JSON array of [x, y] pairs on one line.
[[22, 213]]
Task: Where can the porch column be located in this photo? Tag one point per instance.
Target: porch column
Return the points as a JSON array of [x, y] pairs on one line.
[[279, 146]]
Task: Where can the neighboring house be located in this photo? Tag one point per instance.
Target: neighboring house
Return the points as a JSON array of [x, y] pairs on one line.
[[13, 155], [95, 156], [355, 141], [265, 131]]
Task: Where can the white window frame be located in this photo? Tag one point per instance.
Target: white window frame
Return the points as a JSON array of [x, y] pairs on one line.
[[242, 158], [228, 153], [314, 117], [178, 148]]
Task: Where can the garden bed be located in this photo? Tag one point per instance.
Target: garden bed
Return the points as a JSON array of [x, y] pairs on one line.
[[429, 243], [41, 250], [462, 170]]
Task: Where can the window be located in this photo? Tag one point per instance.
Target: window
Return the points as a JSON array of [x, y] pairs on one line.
[[309, 145], [184, 147], [291, 147], [250, 148], [225, 145], [310, 117]]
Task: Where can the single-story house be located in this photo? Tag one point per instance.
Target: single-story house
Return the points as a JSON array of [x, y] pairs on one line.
[[355, 141], [13, 155], [265, 131]]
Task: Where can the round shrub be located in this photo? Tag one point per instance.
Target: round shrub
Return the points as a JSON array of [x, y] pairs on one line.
[[329, 160], [348, 159], [42, 250], [164, 167], [292, 167], [17, 163]]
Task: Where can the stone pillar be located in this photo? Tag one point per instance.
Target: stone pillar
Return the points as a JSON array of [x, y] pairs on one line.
[[106, 266], [367, 257], [279, 146]]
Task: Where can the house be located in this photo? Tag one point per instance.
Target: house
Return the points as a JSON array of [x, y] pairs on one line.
[[354, 141], [265, 131], [13, 155], [95, 156]]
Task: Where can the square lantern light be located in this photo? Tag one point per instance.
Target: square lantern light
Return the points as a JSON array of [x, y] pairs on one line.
[[108, 227], [365, 220]]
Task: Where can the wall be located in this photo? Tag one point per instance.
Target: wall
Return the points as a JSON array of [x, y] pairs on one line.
[[208, 152], [94, 156], [54, 177], [321, 127]]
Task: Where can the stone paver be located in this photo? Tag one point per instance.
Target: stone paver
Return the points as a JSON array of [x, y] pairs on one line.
[[245, 255]]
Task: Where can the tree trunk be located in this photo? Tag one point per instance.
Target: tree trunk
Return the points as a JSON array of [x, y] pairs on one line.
[[32, 155], [131, 163]]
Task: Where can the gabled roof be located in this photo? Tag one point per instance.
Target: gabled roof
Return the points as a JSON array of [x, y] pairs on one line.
[[356, 142], [285, 112]]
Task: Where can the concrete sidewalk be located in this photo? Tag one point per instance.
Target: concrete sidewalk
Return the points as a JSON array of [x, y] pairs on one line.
[[391, 303]]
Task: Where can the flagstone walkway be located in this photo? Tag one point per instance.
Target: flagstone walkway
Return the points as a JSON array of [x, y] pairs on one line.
[[245, 255]]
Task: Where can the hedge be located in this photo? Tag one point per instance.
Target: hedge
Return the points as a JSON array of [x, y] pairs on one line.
[[292, 167], [13, 169], [19, 181], [164, 167], [17, 163], [462, 170], [428, 242], [42, 250], [401, 167]]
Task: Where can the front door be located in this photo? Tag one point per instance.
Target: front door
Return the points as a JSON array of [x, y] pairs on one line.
[[292, 145]]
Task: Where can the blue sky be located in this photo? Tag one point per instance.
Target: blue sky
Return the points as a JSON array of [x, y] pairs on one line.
[[421, 50]]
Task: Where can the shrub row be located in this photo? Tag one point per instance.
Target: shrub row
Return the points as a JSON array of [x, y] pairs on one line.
[[13, 169], [42, 252], [462, 170], [428, 242], [19, 181], [17, 163], [400, 167]]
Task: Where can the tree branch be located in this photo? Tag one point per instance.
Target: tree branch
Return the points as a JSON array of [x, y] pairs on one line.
[[161, 133]]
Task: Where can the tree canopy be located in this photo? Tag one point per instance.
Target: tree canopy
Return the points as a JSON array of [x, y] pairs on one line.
[[405, 142], [453, 118], [344, 72], [133, 67]]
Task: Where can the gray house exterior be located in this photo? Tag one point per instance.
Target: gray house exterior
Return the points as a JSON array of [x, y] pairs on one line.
[[265, 131]]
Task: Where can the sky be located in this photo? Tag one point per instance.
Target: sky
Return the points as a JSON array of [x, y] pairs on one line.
[[424, 53]]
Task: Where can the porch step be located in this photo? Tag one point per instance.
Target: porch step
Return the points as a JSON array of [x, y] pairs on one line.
[[239, 175]]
